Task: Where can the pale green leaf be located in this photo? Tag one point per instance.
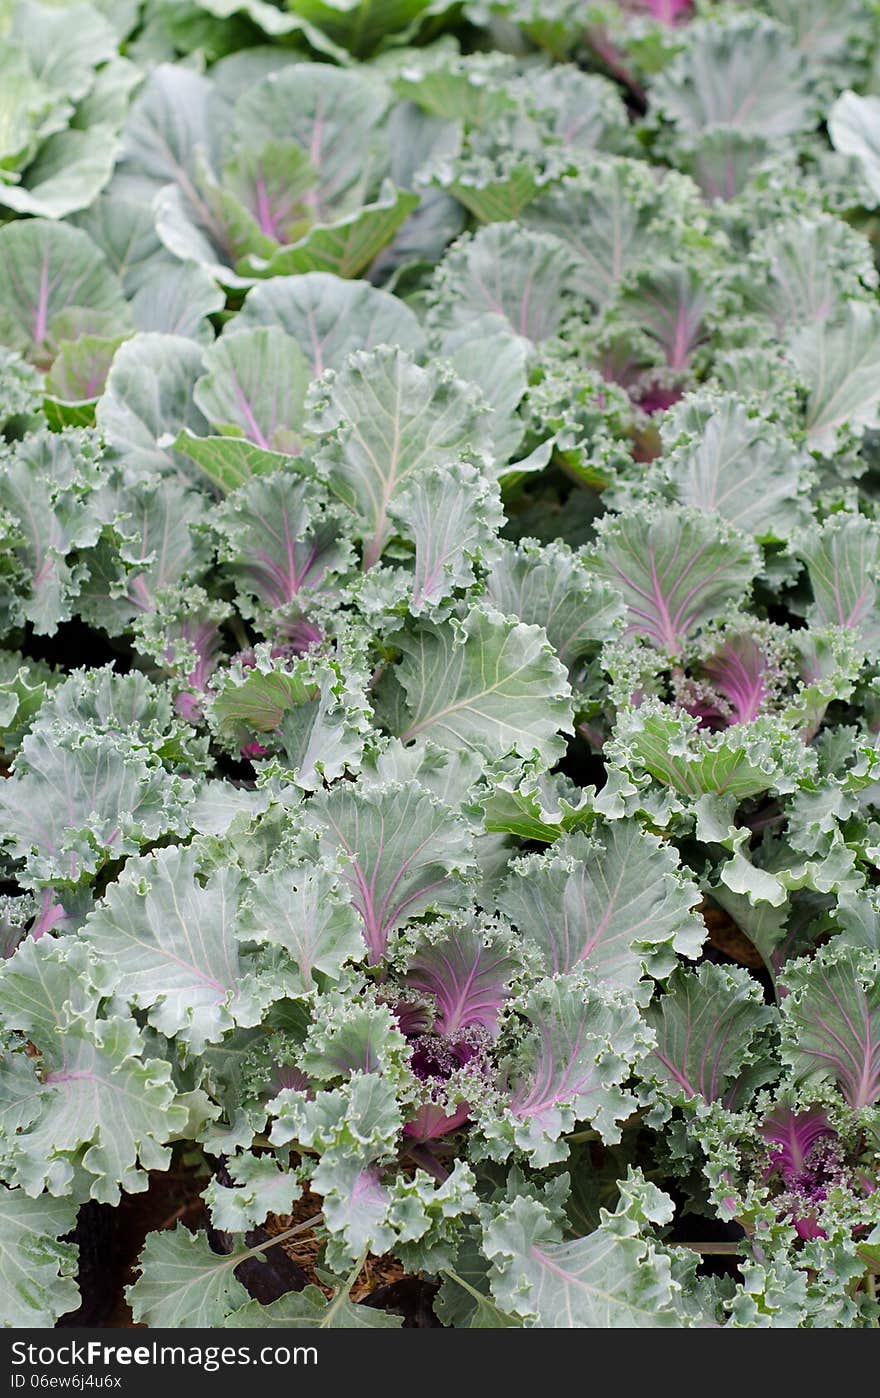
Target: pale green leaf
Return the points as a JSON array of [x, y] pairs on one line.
[[580, 1049], [319, 106], [310, 1309], [525, 277], [854, 128], [37, 1271], [385, 421], [228, 462], [347, 246], [329, 318], [70, 171], [488, 683], [709, 1026], [148, 400], [675, 570], [171, 945], [619, 901], [183, 1284], [307, 915], [403, 852], [839, 364], [305, 708], [255, 387], [551, 586], [831, 1021], [742, 72], [609, 1280], [48, 270], [726, 463], [259, 1187], [72, 805], [452, 515]]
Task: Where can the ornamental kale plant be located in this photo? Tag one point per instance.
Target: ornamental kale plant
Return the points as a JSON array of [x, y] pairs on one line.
[[440, 684]]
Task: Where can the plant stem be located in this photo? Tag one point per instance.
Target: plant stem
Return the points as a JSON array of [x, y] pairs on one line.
[[428, 1161], [608, 54], [281, 1238], [710, 1249], [343, 1293], [460, 1281], [356, 1269]]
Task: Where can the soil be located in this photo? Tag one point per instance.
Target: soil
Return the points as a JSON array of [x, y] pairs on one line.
[[726, 937], [110, 1240]]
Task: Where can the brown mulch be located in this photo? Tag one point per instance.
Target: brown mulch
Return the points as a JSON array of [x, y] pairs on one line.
[[726, 937], [304, 1249], [173, 1196]]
